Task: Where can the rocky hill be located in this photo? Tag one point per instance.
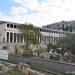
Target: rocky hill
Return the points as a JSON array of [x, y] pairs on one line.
[[63, 25]]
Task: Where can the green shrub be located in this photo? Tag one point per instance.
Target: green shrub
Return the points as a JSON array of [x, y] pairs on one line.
[[28, 53]]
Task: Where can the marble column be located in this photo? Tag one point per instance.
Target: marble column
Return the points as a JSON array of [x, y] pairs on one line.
[[9, 37]]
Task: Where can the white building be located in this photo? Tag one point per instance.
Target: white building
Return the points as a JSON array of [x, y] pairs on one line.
[[9, 31], [50, 35]]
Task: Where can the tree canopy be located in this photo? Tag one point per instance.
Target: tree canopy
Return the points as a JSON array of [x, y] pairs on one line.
[[30, 34], [51, 46], [67, 43]]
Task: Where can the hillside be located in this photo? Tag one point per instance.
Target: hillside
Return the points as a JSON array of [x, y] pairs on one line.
[[62, 25]]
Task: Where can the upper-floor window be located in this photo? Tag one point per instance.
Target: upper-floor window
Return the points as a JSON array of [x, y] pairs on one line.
[[57, 32], [11, 25], [15, 26], [8, 25], [40, 30], [47, 30], [51, 31], [54, 32]]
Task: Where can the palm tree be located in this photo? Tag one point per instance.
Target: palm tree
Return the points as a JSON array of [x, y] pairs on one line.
[[30, 34]]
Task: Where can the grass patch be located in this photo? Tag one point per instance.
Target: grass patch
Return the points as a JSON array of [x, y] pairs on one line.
[[13, 72]]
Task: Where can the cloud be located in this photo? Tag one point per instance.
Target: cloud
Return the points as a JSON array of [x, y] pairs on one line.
[[46, 12], [30, 4], [18, 10]]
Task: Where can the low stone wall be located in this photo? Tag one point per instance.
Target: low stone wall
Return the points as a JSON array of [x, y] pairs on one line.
[[25, 68], [48, 64], [59, 66], [32, 72]]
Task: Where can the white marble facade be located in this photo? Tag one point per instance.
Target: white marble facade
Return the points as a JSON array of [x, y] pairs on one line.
[[9, 31]]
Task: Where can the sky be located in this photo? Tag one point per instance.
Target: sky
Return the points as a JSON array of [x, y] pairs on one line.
[[37, 12]]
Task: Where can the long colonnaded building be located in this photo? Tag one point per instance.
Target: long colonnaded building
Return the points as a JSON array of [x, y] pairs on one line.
[[10, 40]]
